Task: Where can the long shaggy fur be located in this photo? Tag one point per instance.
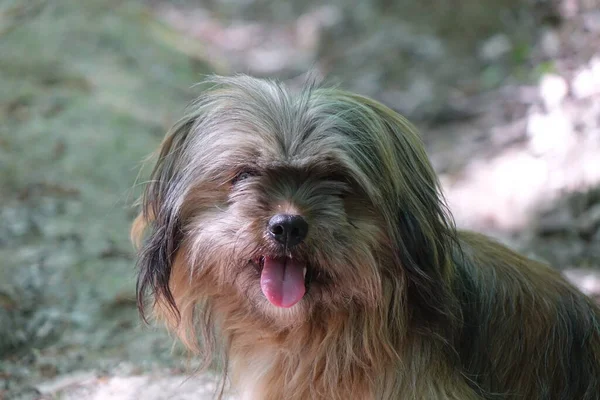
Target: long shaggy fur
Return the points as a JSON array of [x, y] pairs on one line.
[[399, 305]]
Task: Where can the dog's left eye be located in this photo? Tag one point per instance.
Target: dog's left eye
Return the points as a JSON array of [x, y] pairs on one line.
[[243, 175]]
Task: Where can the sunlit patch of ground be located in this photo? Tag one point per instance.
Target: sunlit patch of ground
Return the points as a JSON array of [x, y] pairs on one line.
[[153, 386]]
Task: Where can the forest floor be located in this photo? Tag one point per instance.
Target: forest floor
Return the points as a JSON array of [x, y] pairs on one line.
[[88, 89]]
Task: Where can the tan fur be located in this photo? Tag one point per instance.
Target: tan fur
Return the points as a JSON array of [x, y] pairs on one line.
[[401, 306]]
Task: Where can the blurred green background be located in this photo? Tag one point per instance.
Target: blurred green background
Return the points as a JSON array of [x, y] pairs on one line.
[[506, 93]]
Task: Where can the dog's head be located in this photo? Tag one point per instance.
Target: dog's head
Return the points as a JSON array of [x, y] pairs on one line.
[[285, 204]]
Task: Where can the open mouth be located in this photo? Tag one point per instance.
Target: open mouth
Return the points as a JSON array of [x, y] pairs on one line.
[[282, 279]]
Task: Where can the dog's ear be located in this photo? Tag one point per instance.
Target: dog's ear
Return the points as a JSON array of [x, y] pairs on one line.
[[422, 231], [157, 229]]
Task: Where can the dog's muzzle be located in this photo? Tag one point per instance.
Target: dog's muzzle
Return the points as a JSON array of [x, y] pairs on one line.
[[282, 278]]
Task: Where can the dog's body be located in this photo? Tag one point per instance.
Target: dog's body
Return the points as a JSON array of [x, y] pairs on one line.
[[303, 240]]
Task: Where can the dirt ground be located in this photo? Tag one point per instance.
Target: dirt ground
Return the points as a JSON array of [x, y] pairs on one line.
[[509, 110]]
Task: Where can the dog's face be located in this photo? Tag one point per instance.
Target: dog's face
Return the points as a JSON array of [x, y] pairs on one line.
[[285, 204]]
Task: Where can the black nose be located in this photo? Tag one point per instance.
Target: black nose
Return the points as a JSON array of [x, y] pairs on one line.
[[288, 229]]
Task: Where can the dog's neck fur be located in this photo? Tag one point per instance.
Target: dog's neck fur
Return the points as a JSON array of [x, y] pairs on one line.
[[348, 358], [271, 368], [310, 363]]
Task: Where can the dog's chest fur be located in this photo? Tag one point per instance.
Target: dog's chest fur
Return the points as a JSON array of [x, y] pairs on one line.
[[271, 372]]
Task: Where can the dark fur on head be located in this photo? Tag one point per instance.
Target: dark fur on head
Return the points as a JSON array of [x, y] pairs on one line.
[[398, 303]]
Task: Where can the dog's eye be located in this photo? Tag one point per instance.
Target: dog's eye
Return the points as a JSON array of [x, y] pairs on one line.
[[245, 174]]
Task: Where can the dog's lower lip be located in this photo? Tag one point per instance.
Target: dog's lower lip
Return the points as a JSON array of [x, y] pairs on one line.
[[257, 263], [258, 260]]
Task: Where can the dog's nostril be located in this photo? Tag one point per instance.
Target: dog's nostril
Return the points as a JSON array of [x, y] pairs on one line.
[[277, 230], [288, 229]]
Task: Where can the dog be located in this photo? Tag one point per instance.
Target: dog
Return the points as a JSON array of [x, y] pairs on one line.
[[299, 240]]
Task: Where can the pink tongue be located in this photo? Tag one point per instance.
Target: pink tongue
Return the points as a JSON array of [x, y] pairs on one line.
[[282, 281]]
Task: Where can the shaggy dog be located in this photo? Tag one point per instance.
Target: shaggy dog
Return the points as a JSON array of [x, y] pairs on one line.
[[301, 241]]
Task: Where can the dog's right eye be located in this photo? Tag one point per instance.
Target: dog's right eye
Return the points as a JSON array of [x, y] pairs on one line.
[[245, 174]]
